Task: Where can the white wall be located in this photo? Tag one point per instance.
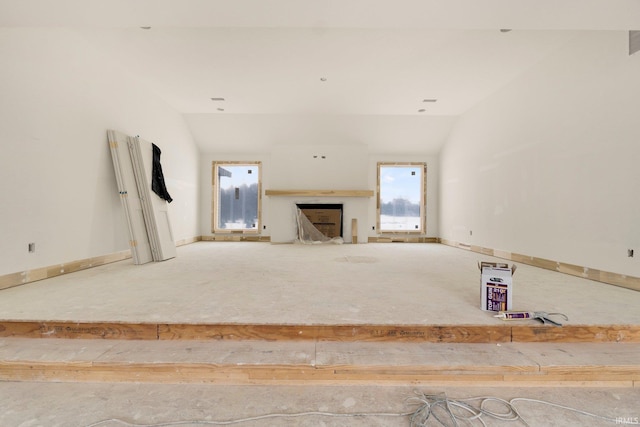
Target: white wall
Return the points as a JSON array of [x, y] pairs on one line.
[[348, 167], [548, 166], [302, 167], [352, 145], [294, 168], [59, 97]]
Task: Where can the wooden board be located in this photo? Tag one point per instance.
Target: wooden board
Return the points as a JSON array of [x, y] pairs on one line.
[[403, 239], [349, 333], [420, 333], [576, 333], [235, 332], [338, 363], [320, 193], [236, 238], [172, 374], [354, 230], [629, 282], [427, 333], [121, 331], [23, 277]]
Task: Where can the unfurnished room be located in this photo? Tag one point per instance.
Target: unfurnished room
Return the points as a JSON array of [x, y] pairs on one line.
[[319, 213]]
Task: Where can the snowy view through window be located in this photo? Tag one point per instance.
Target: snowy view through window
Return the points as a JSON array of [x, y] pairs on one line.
[[237, 207], [400, 197]]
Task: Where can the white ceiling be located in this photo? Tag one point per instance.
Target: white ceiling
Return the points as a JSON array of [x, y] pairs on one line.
[[367, 71], [379, 58]]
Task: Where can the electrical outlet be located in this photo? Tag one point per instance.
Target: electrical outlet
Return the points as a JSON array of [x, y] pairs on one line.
[[32, 247], [630, 253]]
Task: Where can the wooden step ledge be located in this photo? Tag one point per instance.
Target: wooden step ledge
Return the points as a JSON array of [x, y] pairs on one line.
[[377, 333], [501, 333], [329, 363]]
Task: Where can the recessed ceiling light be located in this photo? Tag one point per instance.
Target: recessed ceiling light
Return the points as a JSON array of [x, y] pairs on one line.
[[422, 110], [146, 28], [429, 100], [220, 109], [323, 79], [217, 99], [505, 30]]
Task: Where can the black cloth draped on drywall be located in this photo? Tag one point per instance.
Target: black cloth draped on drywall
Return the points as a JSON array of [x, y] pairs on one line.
[[157, 178]]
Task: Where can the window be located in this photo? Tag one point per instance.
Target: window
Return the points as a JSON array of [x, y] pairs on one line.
[[236, 197], [402, 197]]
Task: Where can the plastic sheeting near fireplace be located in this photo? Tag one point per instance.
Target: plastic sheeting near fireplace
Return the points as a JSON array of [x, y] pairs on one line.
[[319, 223]]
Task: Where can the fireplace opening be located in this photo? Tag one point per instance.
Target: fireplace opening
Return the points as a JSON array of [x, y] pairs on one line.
[[326, 217]]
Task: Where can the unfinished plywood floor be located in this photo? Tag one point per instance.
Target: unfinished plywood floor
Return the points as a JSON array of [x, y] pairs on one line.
[[214, 282], [237, 282], [117, 405]]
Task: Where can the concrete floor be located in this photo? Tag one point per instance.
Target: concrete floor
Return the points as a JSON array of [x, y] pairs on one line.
[[228, 282], [212, 282], [116, 405]]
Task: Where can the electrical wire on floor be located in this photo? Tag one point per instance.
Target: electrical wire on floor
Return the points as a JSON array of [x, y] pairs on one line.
[[256, 418], [433, 410], [448, 412]]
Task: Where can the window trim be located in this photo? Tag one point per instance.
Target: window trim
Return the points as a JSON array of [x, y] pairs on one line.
[[423, 199], [214, 196]]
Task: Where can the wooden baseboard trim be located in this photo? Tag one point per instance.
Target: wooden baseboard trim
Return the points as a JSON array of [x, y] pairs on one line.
[[621, 280], [403, 239], [236, 238], [28, 276], [188, 241]]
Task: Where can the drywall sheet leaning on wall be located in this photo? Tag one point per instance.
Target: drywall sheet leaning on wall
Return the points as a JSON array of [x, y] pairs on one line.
[[155, 208], [128, 189], [147, 214]]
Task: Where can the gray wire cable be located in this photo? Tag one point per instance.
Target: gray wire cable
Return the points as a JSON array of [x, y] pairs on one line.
[[429, 404], [256, 418], [567, 408]]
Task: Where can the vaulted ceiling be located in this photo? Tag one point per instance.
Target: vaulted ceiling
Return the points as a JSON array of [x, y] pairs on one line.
[[425, 59]]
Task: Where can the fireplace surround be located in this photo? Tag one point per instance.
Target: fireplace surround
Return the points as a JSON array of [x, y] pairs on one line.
[[326, 217]]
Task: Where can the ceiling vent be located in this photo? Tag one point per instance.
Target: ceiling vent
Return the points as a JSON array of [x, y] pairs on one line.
[[634, 42]]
